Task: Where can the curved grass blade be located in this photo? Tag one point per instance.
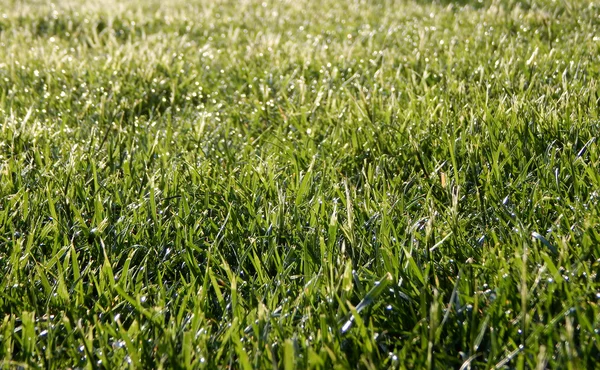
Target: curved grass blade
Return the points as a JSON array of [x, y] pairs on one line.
[[368, 299]]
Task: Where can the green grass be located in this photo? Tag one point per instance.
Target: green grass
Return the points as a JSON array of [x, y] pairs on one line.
[[300, 184]]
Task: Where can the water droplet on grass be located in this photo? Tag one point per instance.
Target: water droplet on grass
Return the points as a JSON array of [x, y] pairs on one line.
[[347, 325]]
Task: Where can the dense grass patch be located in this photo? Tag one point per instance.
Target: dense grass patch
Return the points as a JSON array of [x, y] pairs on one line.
[[290, 184]]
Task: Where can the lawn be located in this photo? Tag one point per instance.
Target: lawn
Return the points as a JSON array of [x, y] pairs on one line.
[[299, 184]]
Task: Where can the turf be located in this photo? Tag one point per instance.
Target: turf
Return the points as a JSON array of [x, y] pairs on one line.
[[299, 184]]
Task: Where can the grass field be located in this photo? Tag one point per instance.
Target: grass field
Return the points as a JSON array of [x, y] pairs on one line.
[[299, 184]]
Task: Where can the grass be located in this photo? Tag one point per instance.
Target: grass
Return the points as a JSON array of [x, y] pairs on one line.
[[299, 184]]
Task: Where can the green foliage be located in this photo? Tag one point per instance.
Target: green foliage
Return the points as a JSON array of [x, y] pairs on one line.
[[299, 184]]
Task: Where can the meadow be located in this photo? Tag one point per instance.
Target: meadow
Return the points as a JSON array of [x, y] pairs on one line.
[[295, 184]]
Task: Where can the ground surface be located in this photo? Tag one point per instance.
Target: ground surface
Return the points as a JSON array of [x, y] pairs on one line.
[[289, 184]]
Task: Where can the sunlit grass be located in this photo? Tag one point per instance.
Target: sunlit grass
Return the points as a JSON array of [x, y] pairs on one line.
[[292, 184]]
